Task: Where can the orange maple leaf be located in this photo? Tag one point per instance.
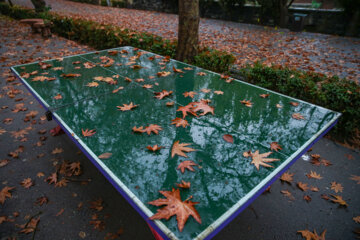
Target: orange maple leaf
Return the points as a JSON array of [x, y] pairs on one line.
[[187, 165], [336, 187], [287, 177], [180, 122], [127, 107], [275, 146], [179, 149], [175, 206], [247, 103], [297, 116], [154, 148], [183, 184], [203, 106], [162, 94], [5, 193], [260, 159], [87, 132], [27, 183], [189, 94], [187, 109], [138, 129], [152, 128], [177, 70]]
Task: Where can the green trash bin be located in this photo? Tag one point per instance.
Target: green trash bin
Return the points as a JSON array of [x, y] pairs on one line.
[[297, 22]]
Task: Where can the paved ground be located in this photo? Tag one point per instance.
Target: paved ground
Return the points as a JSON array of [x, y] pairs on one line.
[[249, 43], [68, 215]]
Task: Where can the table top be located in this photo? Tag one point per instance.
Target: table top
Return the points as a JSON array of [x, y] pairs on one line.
[[84, 92]]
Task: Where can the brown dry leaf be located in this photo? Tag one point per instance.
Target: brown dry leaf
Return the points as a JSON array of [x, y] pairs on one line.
[[8, 120], [31, 226], [177, 70], [2, 131], [187, 109], [60, 212], [338, 199], [152, 128], [287, 177], [183, 184], [307, 198], [52, 178], [179, 122], [324, 196], [163, 74], [127, 107], [57, 151], [92, 84], [179, 149], [154, 148], [98, 224], [205, 90], [42, 200], [203, 107], [314, 175], [138, 129], [189, 94], [74, 168], [228, 138], [136, 66], [336, 187], [4, 162], [247, 103], [58, 96], [170, 104], [297, 116], [128, 79], [314, 189], [147, 86], [303, 186], [21, 133], [5, 193], [264, 95], [325, 162], [201, 74], [287, 194], [163, 94], [175, 206], [97, 204], [62, 183], [312, 236], [27, 183], [71, 75], [356, 219], [87, 132], [275, 146], [355, 178], [186, 165], [218, 92], [105, 155], [295, 104], [139, 80], [260, 159]]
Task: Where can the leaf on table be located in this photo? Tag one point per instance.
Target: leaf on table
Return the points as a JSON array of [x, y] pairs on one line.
[[147, 86], [175, 206], [355, 178], [228, 138], [5, 193], [152, 128], [163, 94], [247, 103], [138, 129], [70, 75], [297, 116], [188, 68], [260, 159], [183, 184], [179, 149], [163, 74], [314, 175], [58, 96], [170, 104], [201, 74], [187, 165], [205, 90], [190, 94], [287, 194], [287, 177], [187, 109], [177, 70], [203, 107], [338, 199], [31, 226], [105, 155], [303, 186], [92, 84], [180, 122], [127, 107], [154, 148], [218, 92], [264, 95], [275, 146], [87, 132], [312, 236], [27, 183], [336, 187]]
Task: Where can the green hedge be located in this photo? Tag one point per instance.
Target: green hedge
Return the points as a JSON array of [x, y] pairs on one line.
[[337, 94], [106, 36]]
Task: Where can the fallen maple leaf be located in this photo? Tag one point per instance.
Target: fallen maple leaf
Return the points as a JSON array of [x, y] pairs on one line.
[[57, 151], [71, 75], [189, 94], [58, 96], [169, 104], [264, 95], [152, 128], [92, 84], [312, 236], [260, 159], [297, 116], [287, 194], [52, 178], [303, 186], [336, 187], [154, 148], [117, 89], [339, 200], [147, 86], [186, 165], [325, 162], [205, 90], [42, 200], [188, 68], [183, 184], [275, 146], [163, 74], [201, 74], [295, 104], [175, 206], [177, 70], [97, 204], [5, 193], [27, 183], [163, 94], [30, 226], [307, 198], [87, 132], [218, 92], [138, 129], [314, 175], [187, 109], [228, 138], [287, 177], [105, 155], [247, 103], [203, 106], [355, 178], [127, 107], [180, 122], [179, 149], [357, 219], [4, 162], [2, 131], [314, 189]]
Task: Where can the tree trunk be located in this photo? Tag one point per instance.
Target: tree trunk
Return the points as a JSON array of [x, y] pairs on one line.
[[351, 30], [39, 5], [188, 32], [283, 14]]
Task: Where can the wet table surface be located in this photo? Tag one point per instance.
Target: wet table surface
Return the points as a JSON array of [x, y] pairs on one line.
[[224, 180]]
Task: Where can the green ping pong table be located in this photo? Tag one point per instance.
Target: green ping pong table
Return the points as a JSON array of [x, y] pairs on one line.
[[85, 92]]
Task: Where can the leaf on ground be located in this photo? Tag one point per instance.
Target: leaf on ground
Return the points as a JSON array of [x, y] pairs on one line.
[[338, 199], [325, 162], [187, 165], [2, 131], [60, 212], [5, 193], [356, 219], [355, 178], [287, 177], [105, 155], [74, 168], [303, 186], [307, 198], [287, 194], [183, 184], [52, 178], [228, 138], [314, 189], [312, 236], [175, 206], [127, 107], [57, 151], [42, 200], [62, 183], [27, 183], [4, 162], [179, 149], [31, 226], [336, 187], [97, 204], [152, 128], [162, 94], [87, 132], [275, 146], [180, 122], [154, 148], [313, 175]]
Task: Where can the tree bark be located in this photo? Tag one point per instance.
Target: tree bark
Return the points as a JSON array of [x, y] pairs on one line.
[[39, 5], [283, 13], [188, 31], [351, 30]]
